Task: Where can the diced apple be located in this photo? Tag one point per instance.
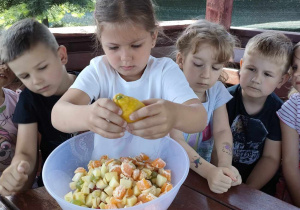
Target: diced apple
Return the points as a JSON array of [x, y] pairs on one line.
[[160, 180], [102, 205], [150, 190], [136, 191], [100, 184], [77, 176], [103, 196], [85, 190], [158, 190], [109, 190], [73, 185], [131, 201], [88, 200], [127, 183], [96, 202], [96, 193], [69, 196], [110, 175], [148, 172], [97, 172], [104, 170], [114, 182], [79, 196]]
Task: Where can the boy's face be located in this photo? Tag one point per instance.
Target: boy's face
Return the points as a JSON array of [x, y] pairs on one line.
[[41, 70], [260, 76]]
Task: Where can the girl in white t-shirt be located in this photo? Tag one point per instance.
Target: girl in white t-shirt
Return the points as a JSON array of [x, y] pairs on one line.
[[289, 116], [127, 31], [203, 49]]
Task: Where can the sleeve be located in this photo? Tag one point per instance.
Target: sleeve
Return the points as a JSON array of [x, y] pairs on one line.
[[222, 95], [88, 80], [175, 86], [25, 112], [288, 111]]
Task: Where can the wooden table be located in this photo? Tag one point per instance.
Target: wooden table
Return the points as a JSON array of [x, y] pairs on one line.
[[193, 194]]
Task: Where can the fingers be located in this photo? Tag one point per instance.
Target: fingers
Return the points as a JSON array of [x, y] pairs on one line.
[[230, 174], [146, 111], [23, 167]]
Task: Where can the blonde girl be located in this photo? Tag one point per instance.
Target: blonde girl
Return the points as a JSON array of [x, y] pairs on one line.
[[203, 49]]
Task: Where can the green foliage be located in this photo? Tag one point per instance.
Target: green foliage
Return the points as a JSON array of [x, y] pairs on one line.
[[51, 11]]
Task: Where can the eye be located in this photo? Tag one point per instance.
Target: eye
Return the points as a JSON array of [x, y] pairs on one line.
[[216, 68], [136, 45], [294, 67], [268, 75], [5, 145], [42, 67], [24, 76], [113, 48], [197, 65], [251, 69]]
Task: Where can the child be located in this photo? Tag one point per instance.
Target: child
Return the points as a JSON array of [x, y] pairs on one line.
[[290, 128], [128, 31], [8, 130], [252, 111], [32, 53], [203, 49]]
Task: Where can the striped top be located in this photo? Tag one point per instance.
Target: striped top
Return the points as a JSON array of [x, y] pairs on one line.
[[290, 113]]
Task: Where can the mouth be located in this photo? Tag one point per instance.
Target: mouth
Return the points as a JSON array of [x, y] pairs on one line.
[[43, 89], [253, 88], [202, 84], [3, 76], [126, 68]]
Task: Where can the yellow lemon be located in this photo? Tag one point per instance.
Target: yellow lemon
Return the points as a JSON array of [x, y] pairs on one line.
[[128, 105]]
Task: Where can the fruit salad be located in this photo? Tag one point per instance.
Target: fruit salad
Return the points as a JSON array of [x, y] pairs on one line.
[[119, 183]]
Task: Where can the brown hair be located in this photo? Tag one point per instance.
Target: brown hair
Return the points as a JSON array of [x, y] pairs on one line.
[[22, 36], [274, 45], [203, 31], [135, 12]]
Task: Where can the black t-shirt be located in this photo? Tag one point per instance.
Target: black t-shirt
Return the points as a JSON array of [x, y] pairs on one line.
[[250, 131], [35, 108]]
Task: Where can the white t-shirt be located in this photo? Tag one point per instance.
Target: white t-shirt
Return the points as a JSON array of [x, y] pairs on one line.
[[162, 79], [202, 142]]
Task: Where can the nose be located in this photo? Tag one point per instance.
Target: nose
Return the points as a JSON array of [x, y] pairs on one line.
[[205, 72], [256, 79], [296, 72], [126, 55], [36, 79]]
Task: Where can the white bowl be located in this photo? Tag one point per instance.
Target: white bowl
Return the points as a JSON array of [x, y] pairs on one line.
[[76, 152]]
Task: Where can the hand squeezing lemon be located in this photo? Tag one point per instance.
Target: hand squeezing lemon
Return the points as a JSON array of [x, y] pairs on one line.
[[128, 105]]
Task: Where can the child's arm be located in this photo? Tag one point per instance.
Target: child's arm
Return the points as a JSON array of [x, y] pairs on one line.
[[160, 116], [219, 179], [22, 171], [267, 165], [223, 141], [71, 114], [290, 161]]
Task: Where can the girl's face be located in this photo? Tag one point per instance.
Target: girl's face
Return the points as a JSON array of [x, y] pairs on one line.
[[6, 76], [127, 48], [201, 69], [296, 70]]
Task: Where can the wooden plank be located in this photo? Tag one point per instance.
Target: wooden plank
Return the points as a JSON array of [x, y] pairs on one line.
[[219, 11], [238, 197]]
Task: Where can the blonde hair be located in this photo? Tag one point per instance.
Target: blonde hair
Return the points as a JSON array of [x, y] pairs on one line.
[[274, 45], [203, 31]]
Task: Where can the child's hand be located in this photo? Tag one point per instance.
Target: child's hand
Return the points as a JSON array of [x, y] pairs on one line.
[[237, 176], [158, 119], [14, 178], [104, 118], [219, 179]]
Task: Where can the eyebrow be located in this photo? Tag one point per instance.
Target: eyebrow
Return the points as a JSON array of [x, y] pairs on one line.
[[130, 42], [39, 64]]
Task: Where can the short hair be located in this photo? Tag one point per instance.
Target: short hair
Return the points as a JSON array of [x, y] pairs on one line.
[[274, 45], [23, 36], [294, 51]]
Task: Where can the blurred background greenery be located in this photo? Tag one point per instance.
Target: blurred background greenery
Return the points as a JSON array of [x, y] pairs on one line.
[[262, 14]]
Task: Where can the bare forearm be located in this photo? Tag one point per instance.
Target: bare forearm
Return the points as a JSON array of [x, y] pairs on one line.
[[69, 118], [292, 178], [190, 118], [263, 171], [223, 145]]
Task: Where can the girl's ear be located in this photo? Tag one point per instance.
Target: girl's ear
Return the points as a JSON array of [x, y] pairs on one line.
[[154, 37], [62, 53], [179, 60]]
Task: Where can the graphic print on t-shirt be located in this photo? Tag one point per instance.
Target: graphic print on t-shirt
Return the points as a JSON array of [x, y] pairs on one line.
[[249, 135]]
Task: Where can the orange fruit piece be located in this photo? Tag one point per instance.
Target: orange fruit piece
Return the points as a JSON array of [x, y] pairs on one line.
[[111, 206], [158, 163], [80, 170], [129, 192], [166, 187], [150, 197], [116, 168], [119, 192], [127, 168], [166, 173], [143, 184], [128, 105], [142, 198], [136, 174]]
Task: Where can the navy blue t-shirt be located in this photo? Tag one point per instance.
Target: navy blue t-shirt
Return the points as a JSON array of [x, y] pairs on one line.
[[250, 131]]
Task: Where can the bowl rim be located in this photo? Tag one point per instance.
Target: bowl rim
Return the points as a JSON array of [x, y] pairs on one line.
[[173, 190]]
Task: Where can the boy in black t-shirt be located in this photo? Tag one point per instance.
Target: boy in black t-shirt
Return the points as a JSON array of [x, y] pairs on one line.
[[32, 53], [252, 111]]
